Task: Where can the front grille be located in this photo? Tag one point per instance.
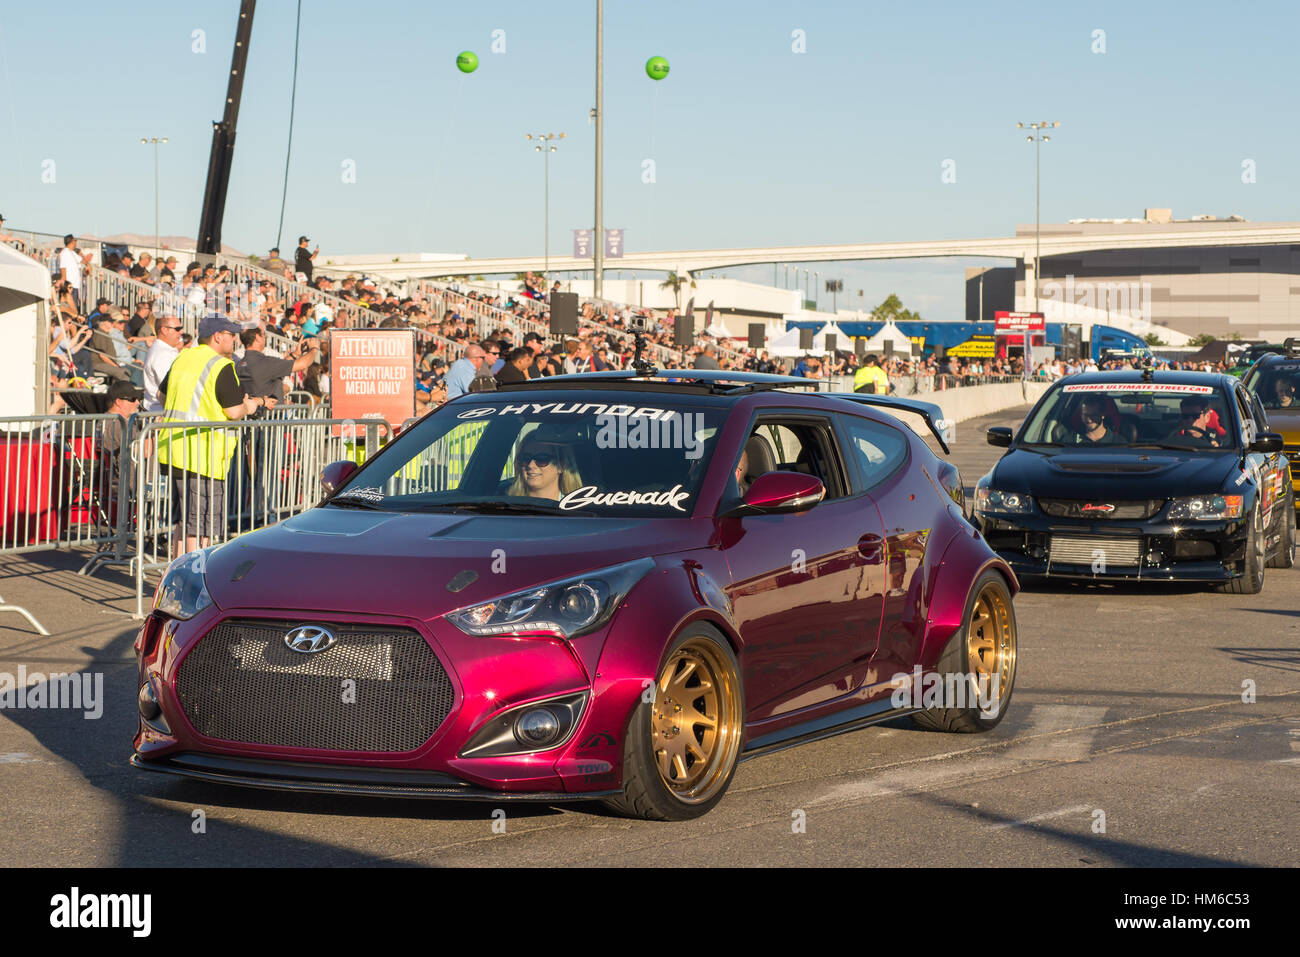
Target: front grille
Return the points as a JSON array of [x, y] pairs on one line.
[[1097, 508], [1120, 552], [242, 683]]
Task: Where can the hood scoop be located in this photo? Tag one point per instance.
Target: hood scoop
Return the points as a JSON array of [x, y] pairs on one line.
[[1107, 465]]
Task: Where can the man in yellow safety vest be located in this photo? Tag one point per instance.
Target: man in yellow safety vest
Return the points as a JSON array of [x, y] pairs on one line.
[[202, 386], [870, 377]]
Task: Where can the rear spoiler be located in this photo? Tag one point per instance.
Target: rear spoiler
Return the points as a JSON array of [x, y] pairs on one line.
[[942, 429]]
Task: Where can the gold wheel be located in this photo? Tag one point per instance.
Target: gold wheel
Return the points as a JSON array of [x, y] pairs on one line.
[[991, 645], [695, 721]]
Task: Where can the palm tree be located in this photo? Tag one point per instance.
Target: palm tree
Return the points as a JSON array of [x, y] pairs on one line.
[[675, 283]]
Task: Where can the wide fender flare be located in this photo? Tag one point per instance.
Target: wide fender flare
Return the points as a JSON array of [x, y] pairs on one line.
[[672, 597], [967, 557]]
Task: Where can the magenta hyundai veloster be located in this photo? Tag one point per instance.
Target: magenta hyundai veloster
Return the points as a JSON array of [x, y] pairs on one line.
[[609, 586]]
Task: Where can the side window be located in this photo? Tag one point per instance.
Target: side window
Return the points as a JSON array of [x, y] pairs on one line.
[[793, 446], [1248, 424], [878, 449], [1261, 417]]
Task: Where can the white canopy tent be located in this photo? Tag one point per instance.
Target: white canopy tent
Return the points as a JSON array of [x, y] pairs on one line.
[[24, 334], [889, 333], [718, 329], [786, 345]]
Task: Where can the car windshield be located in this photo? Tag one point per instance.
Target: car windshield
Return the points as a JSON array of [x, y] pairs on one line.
[[1278, 385], [645, 457], [1133, 415]]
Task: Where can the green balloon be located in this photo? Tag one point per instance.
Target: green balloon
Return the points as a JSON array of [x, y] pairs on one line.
[[656, 68], [467, 61]]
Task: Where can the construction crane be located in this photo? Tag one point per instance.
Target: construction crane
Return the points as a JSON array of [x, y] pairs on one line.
[[223, 139]]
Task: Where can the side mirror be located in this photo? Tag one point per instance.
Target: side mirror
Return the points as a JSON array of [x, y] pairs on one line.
[[1267, 442], [335, 474], [999, 436], [777, 493]]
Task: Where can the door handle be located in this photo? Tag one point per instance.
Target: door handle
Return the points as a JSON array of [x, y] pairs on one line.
[[872, 548]]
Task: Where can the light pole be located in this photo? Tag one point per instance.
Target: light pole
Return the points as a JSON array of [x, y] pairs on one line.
[[155, 140], [598, 273], [546, 147], [1038, 138], [835, 287]]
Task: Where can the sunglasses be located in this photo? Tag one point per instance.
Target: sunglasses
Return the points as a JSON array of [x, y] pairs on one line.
[[543, 459], [1090, 416]]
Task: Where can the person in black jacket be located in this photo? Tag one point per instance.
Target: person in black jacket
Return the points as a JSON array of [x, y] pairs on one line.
[[516, 366], [302, 259]]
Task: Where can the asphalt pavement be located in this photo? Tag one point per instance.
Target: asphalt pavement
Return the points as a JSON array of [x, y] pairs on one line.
[[1150, 726]]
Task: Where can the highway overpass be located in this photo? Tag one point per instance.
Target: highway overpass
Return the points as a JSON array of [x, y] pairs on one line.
[[1056, 242]]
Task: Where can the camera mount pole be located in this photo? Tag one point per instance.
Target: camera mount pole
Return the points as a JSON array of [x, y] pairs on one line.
[[639, 365]]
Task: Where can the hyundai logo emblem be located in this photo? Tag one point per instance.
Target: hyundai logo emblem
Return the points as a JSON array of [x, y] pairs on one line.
[[475, 413], [309, 639]]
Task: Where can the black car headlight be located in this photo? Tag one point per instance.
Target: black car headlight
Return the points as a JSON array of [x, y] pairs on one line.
[[993, 501], [565, 609], [1206, 508], [183, 592]]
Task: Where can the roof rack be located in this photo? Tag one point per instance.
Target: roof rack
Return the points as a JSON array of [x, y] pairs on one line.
[[716, 381]]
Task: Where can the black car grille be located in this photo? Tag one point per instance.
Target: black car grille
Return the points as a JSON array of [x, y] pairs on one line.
[[1100, 508], [242, 683]]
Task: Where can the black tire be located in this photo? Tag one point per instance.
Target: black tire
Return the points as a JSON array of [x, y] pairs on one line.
[[1251, 580], [957, 658], [646, 793], [1285, 557]]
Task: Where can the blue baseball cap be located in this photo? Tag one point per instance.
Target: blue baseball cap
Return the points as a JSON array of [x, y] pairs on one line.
[[210, 325]]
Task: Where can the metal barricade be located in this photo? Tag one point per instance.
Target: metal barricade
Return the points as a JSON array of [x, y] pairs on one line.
[[223, 479], [61, 485]]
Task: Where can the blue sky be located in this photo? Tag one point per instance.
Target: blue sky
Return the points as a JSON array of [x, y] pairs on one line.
[[753, 143]]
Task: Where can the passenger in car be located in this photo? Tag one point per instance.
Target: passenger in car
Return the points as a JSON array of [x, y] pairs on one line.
[[1092, 418], [1198, 424]]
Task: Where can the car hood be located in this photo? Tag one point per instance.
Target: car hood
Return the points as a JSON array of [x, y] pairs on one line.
[[333, 559], [1123, 474]]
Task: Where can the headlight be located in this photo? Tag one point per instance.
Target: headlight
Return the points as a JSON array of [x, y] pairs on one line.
[[991, 500], [183, 593], [1209, 508], [565, 608]]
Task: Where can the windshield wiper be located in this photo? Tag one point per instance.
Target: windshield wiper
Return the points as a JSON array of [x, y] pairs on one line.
[[516, 508]]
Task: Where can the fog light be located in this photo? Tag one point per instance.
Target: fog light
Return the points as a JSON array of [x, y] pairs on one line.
[[149, 707], [537, 727], [1155, 557]]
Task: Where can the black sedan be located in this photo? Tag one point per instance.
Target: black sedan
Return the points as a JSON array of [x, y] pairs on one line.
[[1162, 476]]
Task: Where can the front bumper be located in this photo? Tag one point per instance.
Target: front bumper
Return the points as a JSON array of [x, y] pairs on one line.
[[341, 779], [488, 676], [1040, 545]]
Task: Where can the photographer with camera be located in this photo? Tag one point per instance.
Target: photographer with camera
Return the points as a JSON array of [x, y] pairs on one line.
[[263, 376]]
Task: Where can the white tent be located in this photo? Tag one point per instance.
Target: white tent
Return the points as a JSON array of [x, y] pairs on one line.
[[718, 329], [787, 344], [889, 333], [24, 333]]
